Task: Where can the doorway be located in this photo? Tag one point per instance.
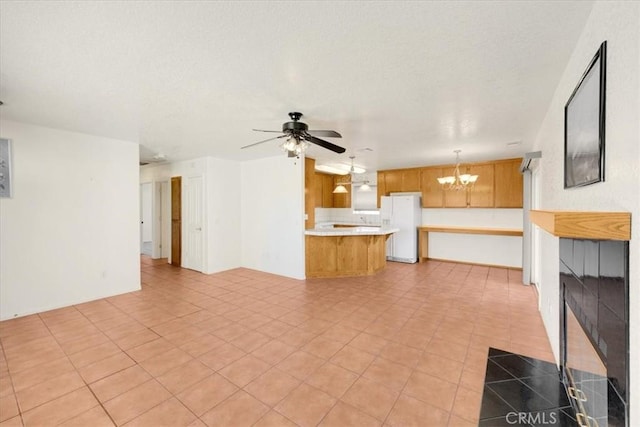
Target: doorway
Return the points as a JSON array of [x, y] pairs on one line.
[[164, 193], [161, 219]]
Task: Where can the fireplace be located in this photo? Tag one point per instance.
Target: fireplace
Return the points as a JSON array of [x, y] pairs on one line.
[[594, 329]]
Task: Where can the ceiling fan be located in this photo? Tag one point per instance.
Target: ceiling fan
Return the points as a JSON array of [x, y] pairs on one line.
[[299, 136]]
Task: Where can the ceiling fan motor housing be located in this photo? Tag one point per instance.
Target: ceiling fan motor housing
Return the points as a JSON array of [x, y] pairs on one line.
[[294, 127]]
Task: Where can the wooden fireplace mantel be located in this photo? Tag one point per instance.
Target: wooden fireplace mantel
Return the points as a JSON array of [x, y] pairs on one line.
[[584, 225]]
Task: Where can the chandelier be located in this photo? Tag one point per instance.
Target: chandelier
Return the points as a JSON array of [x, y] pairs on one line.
[[458, 181], [294, 146]]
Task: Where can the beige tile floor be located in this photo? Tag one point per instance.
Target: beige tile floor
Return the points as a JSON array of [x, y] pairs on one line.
[[405, 347]]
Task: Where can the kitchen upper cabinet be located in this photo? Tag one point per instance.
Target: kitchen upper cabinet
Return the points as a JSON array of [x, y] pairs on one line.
[[393, 181], [382, 188], [309, 192], [317, 189], [508, 184], [432, 194], [323, 190], [327, 191], [398, 181], [410, 180], [482, 194], [499, 185], [455, 198], [341, 200]]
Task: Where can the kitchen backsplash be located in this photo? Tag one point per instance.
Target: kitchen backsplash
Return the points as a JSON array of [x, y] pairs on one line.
[[505, 218], [345, 216]]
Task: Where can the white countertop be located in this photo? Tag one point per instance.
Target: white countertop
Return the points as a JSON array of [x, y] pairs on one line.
[[352, 231]]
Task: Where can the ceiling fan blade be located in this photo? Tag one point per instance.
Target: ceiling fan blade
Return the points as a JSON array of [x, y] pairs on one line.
[[324, 144], [260, 142], [325, 133], [262, 130]]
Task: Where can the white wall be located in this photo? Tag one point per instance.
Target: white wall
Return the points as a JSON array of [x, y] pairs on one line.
[[619, 24], [273, 216], [475, 248], [223, 221], [71, 232], [221, 209]]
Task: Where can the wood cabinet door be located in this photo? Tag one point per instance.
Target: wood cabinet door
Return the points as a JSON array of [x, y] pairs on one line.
[[411, 180], [509, 184], [481, 195], [327, 191], [317, 189], [309, 192], [455, 198], [382, 189], [393, 181], [432, 194]]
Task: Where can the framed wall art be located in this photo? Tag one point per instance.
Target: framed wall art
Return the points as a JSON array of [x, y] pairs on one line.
[[584, 130], [5, 168]]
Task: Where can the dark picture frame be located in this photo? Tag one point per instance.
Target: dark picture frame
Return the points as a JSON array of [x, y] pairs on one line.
[[584, 125], [6, 183]]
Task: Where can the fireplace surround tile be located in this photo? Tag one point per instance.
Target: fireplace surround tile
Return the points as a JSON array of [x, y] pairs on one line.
[[594, 289], [533, 389]]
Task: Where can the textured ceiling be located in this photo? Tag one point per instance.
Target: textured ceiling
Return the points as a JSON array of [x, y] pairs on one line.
[[412, 81]]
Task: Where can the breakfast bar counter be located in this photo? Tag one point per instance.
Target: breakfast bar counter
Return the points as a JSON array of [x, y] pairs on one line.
[[344, 252]]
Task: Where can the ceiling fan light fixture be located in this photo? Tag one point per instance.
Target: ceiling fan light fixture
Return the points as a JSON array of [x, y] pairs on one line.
[[299, 136], [294, 145]]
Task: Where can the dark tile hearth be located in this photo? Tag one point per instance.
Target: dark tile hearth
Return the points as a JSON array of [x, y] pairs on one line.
[[523, 391]]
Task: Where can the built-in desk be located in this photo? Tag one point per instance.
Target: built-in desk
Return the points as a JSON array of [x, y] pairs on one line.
[[423, 235]]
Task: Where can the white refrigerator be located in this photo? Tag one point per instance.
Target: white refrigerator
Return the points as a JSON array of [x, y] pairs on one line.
[[405, 213]]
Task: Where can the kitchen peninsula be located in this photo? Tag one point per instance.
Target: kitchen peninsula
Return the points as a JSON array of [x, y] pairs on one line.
[[348, 251]]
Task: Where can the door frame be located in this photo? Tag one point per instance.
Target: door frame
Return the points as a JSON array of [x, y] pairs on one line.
[[535, 231]]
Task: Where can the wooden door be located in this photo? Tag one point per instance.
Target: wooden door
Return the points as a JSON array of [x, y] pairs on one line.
[[176, 221], [432, 193]]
